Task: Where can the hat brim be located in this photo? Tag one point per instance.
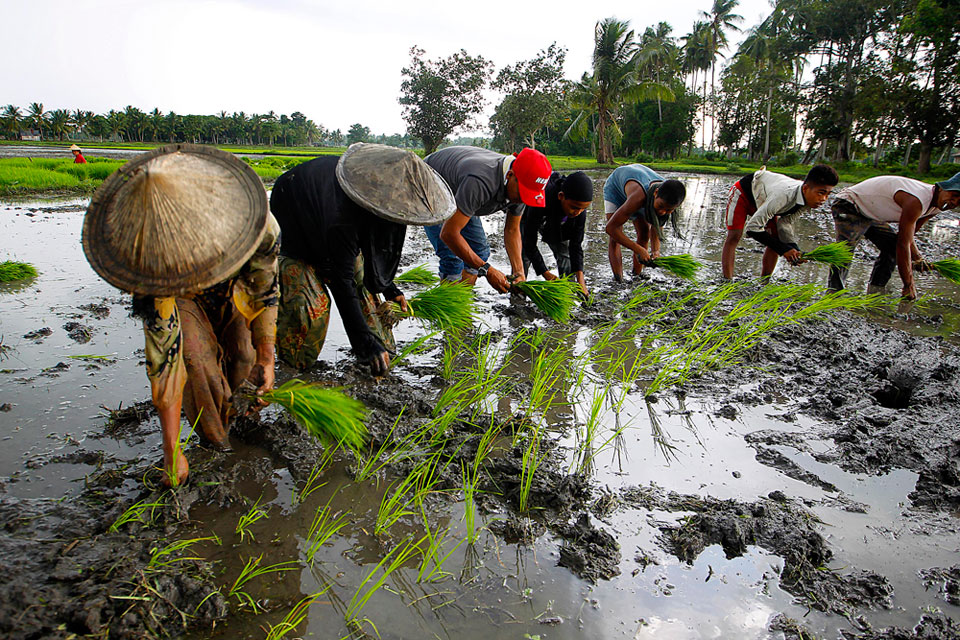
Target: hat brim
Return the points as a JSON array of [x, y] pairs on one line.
[[532, 197], [195, 230], [395, 184]]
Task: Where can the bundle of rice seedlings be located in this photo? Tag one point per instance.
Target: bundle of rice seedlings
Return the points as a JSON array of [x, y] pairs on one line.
[[418, 275], [949, 269], [447, 305], [835, 254], [554, 297], [682, 265], [327, 413], [11, 271]]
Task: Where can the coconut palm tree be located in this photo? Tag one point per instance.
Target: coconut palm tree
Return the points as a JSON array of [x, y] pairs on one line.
[[773, 68], [12, 118], [615, 81], [658, 56], [59, 123], [719, 20], [37, 116], [696, 58]]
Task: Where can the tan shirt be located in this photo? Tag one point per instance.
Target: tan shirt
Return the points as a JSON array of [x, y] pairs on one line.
[[777, 196]]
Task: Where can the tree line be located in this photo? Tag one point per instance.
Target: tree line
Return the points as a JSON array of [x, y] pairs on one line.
[[816, 80]]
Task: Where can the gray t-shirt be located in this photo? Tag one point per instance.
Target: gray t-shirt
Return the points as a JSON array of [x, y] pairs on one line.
[[476, 178]]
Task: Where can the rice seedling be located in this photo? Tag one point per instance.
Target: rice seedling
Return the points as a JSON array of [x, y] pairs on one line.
[[173, 479], [254, 514], [682, 265], [324, 527], [161, 557], [532, 459], [415, 348], [469, 505], [11, 271], [395, 559], [835, 254], [434, 540], [374, 461], [447, 306], [451, 347], [136, 512], [590, 430], [948, 268], [326, 413], [252, 570], [394, 504], [313, 480], [555, 298], [294, 618], [547, 375], [418, 275]]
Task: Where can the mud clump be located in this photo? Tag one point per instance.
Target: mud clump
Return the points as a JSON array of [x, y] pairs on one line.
[[77, 332], [37, 335], [589, 552], [774, 524], [97, 309], [932, 626]]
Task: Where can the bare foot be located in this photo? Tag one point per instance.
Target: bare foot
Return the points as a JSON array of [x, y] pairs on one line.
[[171, 479]]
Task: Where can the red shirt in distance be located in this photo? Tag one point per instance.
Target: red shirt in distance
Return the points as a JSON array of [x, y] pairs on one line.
[[78, 158]]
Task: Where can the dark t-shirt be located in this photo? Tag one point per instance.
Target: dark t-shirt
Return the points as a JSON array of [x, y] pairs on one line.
[[550, 223], [476, 178], [322, 226]]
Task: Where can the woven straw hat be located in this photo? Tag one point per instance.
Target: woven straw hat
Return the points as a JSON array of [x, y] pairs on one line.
[[174, 221], [74, 147], [395, 184]]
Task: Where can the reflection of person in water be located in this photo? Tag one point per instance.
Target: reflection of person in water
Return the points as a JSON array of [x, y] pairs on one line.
[[77, 155]]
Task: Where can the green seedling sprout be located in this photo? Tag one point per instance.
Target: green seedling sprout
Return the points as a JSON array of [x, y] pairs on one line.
[[161, 557], [415, 348], [173, 478], [251, 570], [136, 513], [532, 459], [11, 271], [418, 275], [294, 618], [835, 254], [393, 505], [324, 527], [948, 268], [254, 514], [326, 413], [682, 266], [432, 552], [555, 298], [369, 586], [446, 306], [374, 461], [313, 480]]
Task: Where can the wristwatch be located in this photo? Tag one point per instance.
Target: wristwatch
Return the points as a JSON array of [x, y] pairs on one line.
[[482, 269]]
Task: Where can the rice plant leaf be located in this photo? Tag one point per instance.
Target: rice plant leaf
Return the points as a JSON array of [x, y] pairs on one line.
[[949, 269], [555, 298], [418, 275], [682, 265], [327, 413], [447, 305], [11, 271]]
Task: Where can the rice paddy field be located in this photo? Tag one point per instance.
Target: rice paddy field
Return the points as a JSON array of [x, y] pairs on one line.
[[681, 458]]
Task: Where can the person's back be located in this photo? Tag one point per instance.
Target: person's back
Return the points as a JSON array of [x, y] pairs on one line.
[[875, 196], [614, 189], [475, 176]]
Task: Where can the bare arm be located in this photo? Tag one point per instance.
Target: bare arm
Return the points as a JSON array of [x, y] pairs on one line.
[[513, 243], [635, 199], [450, 235], [911, 210]]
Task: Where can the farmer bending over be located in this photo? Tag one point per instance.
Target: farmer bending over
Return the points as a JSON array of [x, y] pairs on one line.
[[867, 209], [186, 229], [485, 182], [636, 192], [772, 201], [344, 221], [561, 225]]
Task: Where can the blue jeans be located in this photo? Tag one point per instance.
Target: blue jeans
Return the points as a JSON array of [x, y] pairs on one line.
[[450, 265]]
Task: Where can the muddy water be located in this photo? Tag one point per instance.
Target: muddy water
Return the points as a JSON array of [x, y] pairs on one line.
[[57, 435]]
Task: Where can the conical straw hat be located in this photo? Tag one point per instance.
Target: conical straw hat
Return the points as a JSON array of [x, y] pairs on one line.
[[174, 221], [395, 184]]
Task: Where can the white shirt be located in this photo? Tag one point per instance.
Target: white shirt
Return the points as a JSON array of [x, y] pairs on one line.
[[874, 197], [776, 195]]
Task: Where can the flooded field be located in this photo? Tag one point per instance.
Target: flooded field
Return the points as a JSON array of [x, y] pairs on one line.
[[811, 490]]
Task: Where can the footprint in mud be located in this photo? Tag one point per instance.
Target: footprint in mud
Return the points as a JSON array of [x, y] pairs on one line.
[[37, 335]]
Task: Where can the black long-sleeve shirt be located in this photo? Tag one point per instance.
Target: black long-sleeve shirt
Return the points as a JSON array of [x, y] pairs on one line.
[[323, 227], [550, 223]]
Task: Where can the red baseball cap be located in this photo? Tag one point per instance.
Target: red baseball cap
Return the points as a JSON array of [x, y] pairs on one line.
[[533, 171]]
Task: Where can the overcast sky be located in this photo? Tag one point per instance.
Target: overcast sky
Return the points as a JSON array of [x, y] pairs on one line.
[[337, 62]]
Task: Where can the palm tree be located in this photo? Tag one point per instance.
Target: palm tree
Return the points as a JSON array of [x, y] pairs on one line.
[[658, 54], [719, 19], [615, 81], [60, 123], [696, 57], [37, 116], [761, 45], [12, 118]]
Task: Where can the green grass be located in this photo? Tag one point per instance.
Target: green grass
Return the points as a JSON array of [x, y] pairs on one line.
[[11, 271]]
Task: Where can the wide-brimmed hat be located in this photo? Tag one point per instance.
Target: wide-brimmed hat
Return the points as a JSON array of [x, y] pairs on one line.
[[174, 221], [395, 184], [74, 147]]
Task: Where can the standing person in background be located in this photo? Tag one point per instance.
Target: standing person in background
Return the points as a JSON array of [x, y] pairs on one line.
[[636, 192], [561, 223], [77, 155], [485, 182], [186, 229], [866, 210], [772, 202]]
